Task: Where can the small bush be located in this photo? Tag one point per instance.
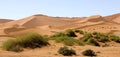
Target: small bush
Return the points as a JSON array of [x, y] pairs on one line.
[[62, 37], [87, 36], [65, 39], [11, 45], [92, 42], [66, 52], [89, 52], [99, 35], [95, 33], [59, 34], [79, 31], [69, 41], [79, 42], [70, 33], [115, 38], [31, 40], [103, 39], [46, 37]]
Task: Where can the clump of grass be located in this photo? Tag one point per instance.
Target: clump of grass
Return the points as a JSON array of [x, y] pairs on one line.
[[93, 38], [66, 51], [80, 43], [69, 41], [70, 33], [93, 42], [59, 34], [87, 36], [65, 39], [114, 38], [89, 52], [103, 39], [32, 40], [12, 45], [80, 31]]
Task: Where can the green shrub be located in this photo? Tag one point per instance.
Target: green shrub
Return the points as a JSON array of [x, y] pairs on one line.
[[115, 38], [99, 35], [46, 37], [70, 33], [89, 52], [87, 36], [103, 39], [59, 34], [32, 40], [69, 41], [81, 43], [11, 45], [76, 30], [62, 37], [58, 39], [66, 52], [93, 42], [79, 31], [95, 33], [65, 39]]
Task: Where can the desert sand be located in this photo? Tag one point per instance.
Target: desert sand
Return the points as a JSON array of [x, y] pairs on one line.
[[47, 25]]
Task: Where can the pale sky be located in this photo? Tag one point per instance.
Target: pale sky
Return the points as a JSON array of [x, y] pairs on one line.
[[17, 9]]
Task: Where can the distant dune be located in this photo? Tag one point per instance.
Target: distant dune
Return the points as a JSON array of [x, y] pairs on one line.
[[4, 20], [39, 23], [47, 26]]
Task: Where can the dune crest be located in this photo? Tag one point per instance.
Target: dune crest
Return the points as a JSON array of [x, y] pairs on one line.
[[42, 22]]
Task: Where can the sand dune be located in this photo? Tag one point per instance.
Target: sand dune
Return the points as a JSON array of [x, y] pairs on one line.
[[113, 18], [41, 22], [47, 25], [4, 20]]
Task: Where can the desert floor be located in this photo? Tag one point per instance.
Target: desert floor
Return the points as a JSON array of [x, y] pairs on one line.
[[51, 51]]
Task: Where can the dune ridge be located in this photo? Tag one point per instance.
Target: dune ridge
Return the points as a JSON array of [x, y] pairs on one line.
[[38, 23]]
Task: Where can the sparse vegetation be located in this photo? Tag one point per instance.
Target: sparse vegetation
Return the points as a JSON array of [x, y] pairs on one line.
[[114, 38], [70, 33], [66, 51], [103, 39], [59, 34], [31, 40], [11, 45], [79, 31], [70, 41], [88, 38], [67, 40], [93, 42], [89, 52], [81, 43]]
